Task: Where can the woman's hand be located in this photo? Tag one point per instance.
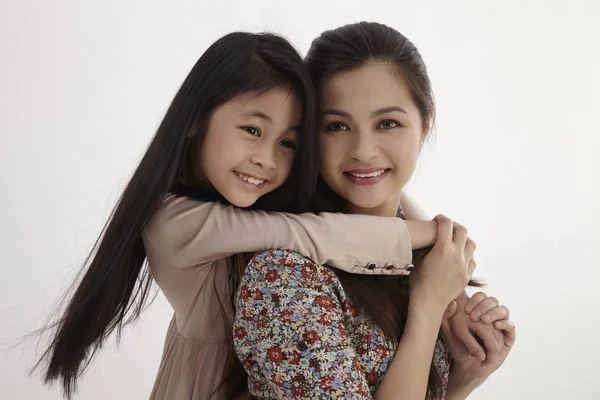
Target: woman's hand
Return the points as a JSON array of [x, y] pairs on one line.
[[485, 309], [471, 321], [468, 372], [445, 271]]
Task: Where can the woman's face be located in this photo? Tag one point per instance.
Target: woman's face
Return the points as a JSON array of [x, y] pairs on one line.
[[250, 145], [370, 137]]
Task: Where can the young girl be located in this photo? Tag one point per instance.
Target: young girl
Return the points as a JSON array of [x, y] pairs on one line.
[[241, 131], [305, 331]]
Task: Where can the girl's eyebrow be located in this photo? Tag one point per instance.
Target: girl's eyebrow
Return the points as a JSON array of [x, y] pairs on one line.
[[265, 117], [258, 114]]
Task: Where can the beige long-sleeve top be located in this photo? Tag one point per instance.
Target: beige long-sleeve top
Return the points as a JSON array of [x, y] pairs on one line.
[[187, 242]]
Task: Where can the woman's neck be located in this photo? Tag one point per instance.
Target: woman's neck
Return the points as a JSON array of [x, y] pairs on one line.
[[387, 209]]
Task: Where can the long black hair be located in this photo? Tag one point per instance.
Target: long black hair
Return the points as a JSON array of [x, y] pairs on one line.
[[115, 284], [383, 298]]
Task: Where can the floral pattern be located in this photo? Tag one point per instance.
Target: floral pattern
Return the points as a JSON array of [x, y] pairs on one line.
[[300, 337]]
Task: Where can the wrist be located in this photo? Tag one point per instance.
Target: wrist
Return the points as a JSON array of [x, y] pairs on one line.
[[423, 306], [459, 392], [422, 233], [461, 384]]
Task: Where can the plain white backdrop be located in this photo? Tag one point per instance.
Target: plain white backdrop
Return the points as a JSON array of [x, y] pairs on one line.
[[84, 85]]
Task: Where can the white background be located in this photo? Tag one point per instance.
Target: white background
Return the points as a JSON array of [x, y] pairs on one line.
[[83, 85]]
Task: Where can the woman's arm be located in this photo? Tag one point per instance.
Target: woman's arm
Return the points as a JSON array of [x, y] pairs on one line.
[[407, 376], [188, 233], [462, 326], [290, 332]]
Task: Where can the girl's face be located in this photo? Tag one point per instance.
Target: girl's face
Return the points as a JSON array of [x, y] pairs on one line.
[[370, 137], [250, 145]]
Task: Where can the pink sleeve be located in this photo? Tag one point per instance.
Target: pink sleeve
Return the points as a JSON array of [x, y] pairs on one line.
[[190, 233]]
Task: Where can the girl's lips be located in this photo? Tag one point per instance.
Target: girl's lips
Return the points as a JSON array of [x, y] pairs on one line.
[[260, 178], [249, 185]]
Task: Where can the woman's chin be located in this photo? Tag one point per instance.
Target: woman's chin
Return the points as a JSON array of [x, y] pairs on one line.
[[365, 203]]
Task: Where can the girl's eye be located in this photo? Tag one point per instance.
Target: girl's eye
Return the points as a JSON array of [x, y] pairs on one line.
[[251, 130], [288, 144], [388, 124], [336, 127]]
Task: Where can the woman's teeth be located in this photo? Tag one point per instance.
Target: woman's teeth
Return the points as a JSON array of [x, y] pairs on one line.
[[370, 175], [250, 179]]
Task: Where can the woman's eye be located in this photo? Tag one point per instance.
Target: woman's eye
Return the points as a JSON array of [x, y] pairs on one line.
[[336, 127], [288, 144], [251, 130], [388, 124]]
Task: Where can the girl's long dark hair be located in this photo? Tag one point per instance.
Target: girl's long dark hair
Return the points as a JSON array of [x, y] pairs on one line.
[[115, 284], [383, 298]]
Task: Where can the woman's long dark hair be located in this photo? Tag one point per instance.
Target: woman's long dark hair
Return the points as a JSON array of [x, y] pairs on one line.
[[383, 298], [115, 284]]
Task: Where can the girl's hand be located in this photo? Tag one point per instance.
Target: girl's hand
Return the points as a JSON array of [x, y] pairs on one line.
[[443, 273]]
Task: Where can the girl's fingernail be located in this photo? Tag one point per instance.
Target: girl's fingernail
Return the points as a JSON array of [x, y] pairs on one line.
[[486, 318], [477, 315], [469, 308]]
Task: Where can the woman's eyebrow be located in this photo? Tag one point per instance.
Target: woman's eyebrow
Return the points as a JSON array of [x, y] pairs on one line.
[[384, 110], [335, 111]]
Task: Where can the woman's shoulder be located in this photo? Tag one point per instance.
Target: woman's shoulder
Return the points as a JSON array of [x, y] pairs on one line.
[[285, 267]]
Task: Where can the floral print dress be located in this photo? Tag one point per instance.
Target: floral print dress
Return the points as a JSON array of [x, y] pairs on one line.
[[300, 337]]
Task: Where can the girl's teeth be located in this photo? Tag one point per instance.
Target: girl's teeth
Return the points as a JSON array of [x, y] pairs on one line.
[[251, 180], [371, 175]]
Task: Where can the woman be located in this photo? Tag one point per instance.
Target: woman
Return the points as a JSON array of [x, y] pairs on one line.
[[303, 330]]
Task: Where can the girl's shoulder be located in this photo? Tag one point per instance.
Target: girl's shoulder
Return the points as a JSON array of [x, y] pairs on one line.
[[173, 213]]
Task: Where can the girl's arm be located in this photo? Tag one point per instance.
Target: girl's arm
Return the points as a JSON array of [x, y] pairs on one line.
[[189, 233]]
